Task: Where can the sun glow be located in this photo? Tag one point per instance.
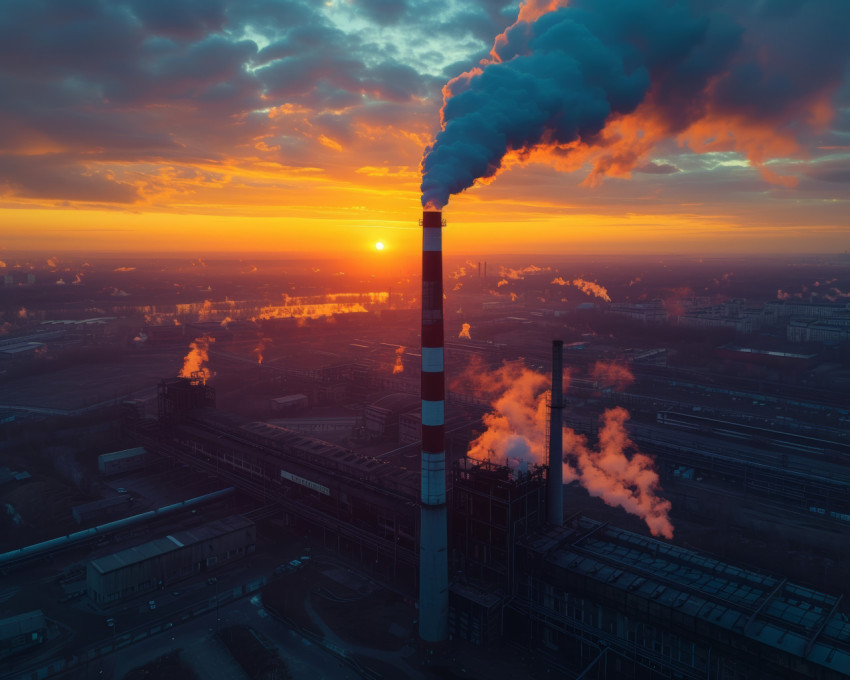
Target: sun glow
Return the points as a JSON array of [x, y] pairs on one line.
[[379, 245]]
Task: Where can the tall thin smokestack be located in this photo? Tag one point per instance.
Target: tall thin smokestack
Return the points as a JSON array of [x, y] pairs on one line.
[[556, 444], [433, 552]]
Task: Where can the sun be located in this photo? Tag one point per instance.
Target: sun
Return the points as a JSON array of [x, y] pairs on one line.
[[379, 245]]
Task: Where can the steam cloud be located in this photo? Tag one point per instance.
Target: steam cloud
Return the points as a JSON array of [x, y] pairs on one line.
[[589, 287], [617, 374], [616, 471], [464, 332], [617, 478], [592, 288], [607, 80], [519, 274], [398, 367], [193, 363], [262, 345]]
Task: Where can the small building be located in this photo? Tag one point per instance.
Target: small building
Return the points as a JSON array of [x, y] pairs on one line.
[[21, 632], [381, 418], [410, 427], [646, 313], [98, 510], [160, 562], [291, 403], [122, 461]]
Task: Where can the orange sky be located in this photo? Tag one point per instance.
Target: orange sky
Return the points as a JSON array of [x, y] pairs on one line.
[[234, 133]]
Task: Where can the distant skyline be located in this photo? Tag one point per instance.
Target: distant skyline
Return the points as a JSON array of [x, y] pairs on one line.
[[290, 126]]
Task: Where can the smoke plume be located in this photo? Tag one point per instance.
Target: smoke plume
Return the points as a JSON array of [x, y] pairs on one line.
[[619, 479], [592, 288], [617, 374], [193, 363], [616, 471], [262, 345], [398, 367], [464, 332], [604, 81], [589, 287], [519, 274]]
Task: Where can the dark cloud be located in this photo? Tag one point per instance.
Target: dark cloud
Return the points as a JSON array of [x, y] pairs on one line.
[[755, 86], [383, 12], [91, 86], [35, 177], [834, 170], [183, 18]]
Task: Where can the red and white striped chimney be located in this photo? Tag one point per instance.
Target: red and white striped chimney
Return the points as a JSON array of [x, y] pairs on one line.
[[433, 541]]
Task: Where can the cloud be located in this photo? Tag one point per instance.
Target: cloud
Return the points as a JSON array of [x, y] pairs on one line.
[[211, 106], [654, 168], [107, 93], [606, 81]]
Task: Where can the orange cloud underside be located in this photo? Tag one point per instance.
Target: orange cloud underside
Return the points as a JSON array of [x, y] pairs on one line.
[[354, 192]]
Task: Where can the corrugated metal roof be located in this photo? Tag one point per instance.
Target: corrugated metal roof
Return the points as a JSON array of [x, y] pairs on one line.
[[787, 616], [163, 546]]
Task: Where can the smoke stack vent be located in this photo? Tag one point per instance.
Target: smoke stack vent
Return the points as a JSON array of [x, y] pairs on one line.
[[433, 541], [556, 446]]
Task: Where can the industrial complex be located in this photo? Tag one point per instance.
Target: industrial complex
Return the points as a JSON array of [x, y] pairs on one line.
[[326, 455]]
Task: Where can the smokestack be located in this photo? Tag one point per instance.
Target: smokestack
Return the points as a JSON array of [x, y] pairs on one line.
[[556, 445], [479, 269], [433, 542]]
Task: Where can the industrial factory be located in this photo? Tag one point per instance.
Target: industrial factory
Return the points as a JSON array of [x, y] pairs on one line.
[[495, 484]]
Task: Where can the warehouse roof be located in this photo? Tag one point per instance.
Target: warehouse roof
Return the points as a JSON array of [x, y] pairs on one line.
[[787, 616], [163, 546], [126, 453]]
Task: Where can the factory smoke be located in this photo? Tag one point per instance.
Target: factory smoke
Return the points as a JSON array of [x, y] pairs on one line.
[[592, 288], [615, 471], [604, 81], [398, 367], [193, 363], [589, 287], [464, 332], [262, 346], [520, 274], [619, 479], [617, 375]]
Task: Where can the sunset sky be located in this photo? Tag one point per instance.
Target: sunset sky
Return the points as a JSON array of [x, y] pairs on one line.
[[205, 126]]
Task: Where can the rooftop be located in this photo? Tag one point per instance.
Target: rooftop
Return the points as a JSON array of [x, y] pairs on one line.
[[762, 607]]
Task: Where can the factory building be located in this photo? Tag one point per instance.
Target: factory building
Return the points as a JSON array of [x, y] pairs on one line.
[[158, 563], [589, 589], [646, 313], [584, 595], [122, 461], [21, 632]]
